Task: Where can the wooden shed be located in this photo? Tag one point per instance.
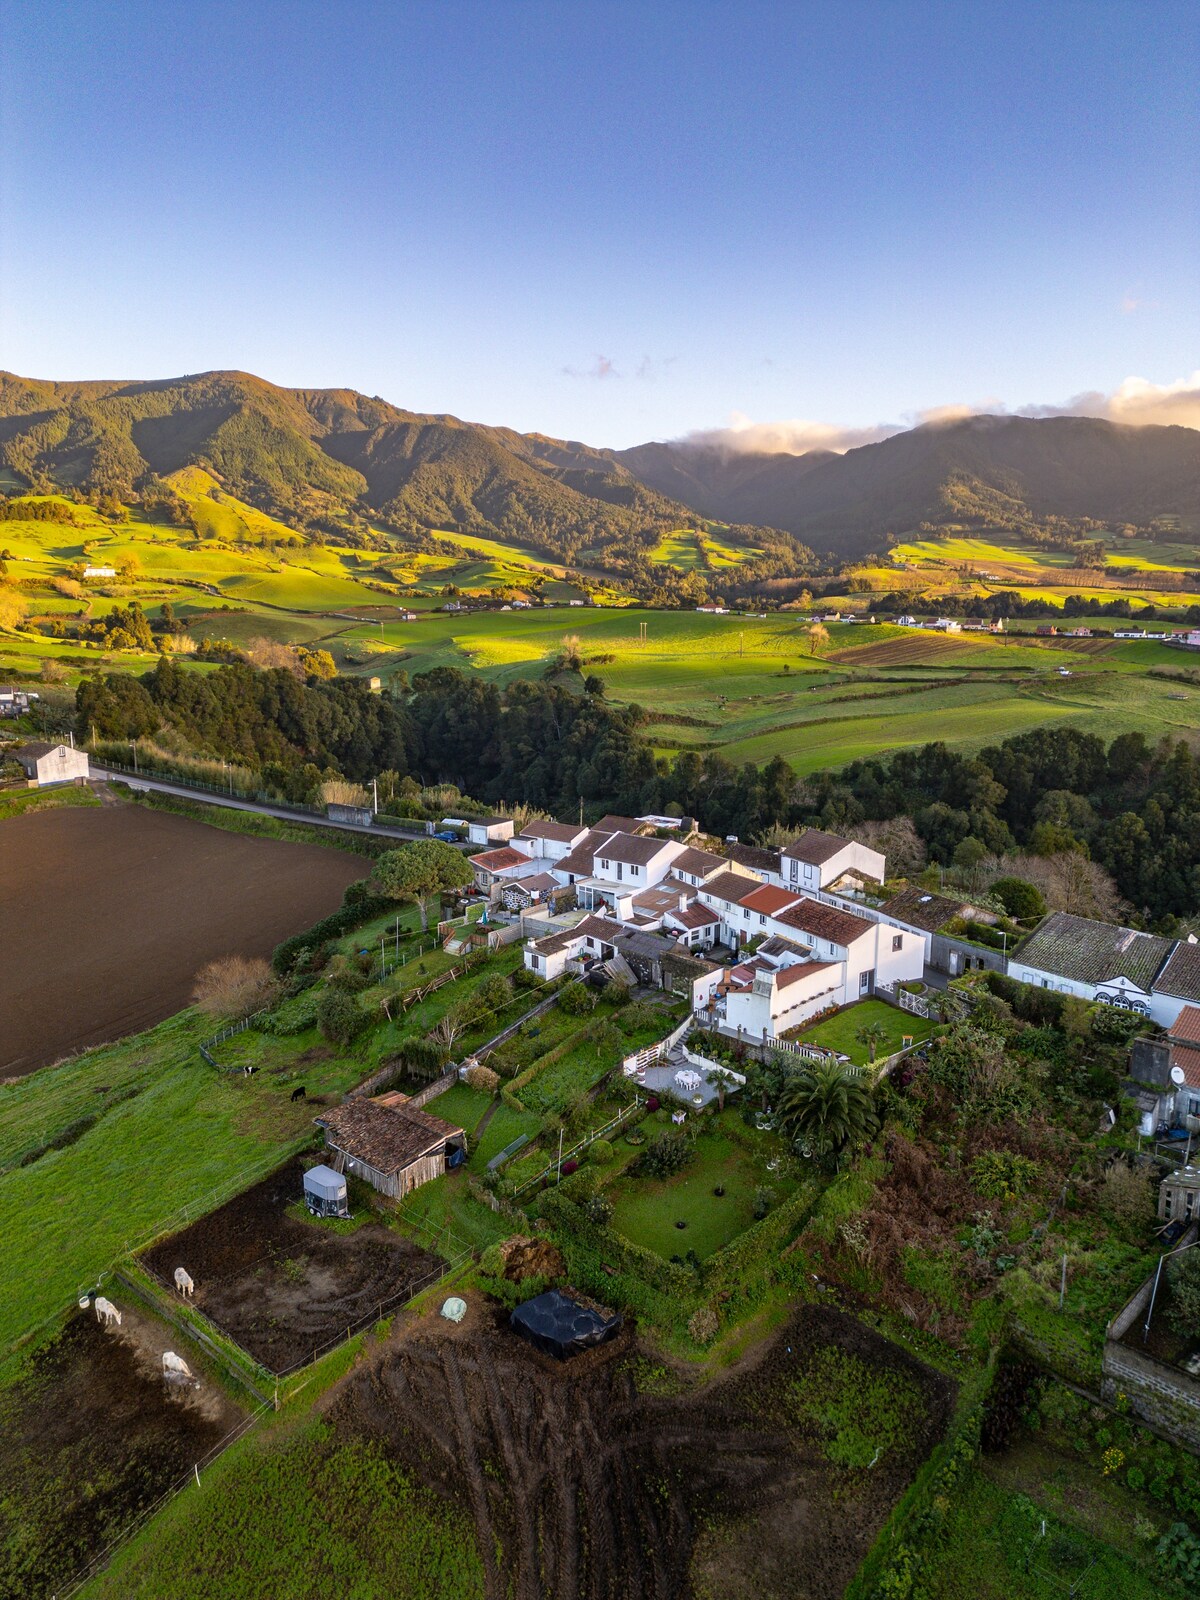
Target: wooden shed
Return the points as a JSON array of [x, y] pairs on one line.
[[393, 1148]]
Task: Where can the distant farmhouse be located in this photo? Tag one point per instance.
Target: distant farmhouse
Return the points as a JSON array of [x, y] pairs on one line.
[[47, 764]]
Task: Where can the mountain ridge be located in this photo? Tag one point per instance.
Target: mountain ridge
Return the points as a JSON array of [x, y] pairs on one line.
[[333, 458]]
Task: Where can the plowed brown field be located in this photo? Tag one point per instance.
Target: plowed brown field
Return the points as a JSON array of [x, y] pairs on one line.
[[107, 913]]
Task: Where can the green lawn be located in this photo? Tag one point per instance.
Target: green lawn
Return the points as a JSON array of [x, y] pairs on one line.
[[146, 1128], [505, 1126], [838, 1032], [447, 1204], [461, 1105], [646, 1210]]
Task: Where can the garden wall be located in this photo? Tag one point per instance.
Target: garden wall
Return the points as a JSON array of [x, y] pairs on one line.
[[1160, 1394]]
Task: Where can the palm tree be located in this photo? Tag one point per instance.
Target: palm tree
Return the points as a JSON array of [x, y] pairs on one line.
[[827, 1108], [871, 1034], [721, 1081]]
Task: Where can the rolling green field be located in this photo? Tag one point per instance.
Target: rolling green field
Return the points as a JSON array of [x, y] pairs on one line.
[[746, 685]]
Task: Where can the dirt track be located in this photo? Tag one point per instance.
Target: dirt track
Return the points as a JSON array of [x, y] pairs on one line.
[[282, 1287], [582, 1488], [107, 913], [91, 1435]]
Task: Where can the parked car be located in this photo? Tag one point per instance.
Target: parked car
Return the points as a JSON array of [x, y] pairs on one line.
[[447, 835]]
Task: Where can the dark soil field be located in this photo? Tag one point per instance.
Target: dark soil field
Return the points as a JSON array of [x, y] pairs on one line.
[[91, 1436], [108, 912], [582, 1487], [284, 1288]]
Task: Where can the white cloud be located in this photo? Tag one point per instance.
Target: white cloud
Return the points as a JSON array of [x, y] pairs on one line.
[[1135, 403]]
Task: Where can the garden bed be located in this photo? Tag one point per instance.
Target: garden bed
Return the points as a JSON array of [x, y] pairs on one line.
[[839, 1032], [580, 1480]]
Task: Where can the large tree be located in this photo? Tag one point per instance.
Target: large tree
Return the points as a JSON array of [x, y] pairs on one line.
[[827, 1108], [419, 871]]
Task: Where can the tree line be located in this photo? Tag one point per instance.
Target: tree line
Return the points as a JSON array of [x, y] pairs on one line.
[[559, 746]]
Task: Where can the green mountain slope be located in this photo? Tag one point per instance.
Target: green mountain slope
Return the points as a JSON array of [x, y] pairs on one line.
[[328, 455], [1005, 472]]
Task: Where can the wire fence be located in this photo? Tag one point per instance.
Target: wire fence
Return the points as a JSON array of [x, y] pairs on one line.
[[101, 1560]]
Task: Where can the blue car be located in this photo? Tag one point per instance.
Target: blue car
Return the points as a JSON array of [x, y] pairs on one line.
[[450, 838]]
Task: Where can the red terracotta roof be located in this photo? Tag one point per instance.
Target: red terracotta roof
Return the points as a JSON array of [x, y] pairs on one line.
[[786, 976], [770, 899], [500, 860], [1186, 1024]]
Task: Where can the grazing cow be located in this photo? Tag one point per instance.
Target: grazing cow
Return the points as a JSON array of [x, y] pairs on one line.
[[183, 1281], [106, 1312], [298, 1094], [174, 1363]]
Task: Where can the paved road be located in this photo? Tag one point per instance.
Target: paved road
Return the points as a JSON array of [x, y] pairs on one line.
[[236, 803]]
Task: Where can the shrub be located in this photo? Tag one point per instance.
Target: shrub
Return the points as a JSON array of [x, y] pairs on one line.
[[233, 986], [598, 1211], [1178, 1556], [1019, 898], [663, 1157], [618, 993], [576, 999], [340, 1017], [1001, 1175], [652, 1103], [600, 1152], [764, 1199], [351, 973], [483, 1079], [637, 1018], [568, 1167], [1183, 1275], [1126, 1198], [423, 1058], [704, 1325]]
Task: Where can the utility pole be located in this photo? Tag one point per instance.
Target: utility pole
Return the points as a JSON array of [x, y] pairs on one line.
[[375, 788]]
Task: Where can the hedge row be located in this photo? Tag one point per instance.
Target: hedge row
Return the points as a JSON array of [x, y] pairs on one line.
[[510, 1093], [358, 906]]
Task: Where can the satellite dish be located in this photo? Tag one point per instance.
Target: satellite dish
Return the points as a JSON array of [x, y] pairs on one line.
[[1178, 1077]]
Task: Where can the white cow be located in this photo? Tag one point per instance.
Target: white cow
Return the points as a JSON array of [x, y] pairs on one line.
[[183, 1281], [174, 1363], [106, 1312]]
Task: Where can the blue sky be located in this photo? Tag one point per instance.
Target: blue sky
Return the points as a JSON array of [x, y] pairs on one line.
[[608, 222]]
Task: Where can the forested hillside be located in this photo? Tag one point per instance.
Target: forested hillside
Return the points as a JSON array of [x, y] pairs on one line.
[[1012, 473], [329, 458]]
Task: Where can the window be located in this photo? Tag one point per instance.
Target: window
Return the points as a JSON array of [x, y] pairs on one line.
[[1193, 1105], [761, 917], [897, 941], [619, 872]]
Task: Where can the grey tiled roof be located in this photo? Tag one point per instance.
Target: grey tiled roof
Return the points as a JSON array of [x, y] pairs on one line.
[[1181, 975], [1093, 952]]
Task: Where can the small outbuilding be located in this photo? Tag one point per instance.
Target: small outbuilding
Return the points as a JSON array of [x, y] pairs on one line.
[[325, 1192], [47, 764], [563, 1323], [392, 1147]]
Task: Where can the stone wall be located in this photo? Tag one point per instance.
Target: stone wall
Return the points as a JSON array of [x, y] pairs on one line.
[[1161, 1394]]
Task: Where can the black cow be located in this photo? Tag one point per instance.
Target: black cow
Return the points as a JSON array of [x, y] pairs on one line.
[[298, 1094]]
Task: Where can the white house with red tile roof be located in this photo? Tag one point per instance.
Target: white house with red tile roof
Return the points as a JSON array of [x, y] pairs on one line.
[[495, 867]]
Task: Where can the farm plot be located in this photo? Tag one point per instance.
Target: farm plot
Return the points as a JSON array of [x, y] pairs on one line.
[[579, 1485], [92, 1437], [130, 904], [283, 1288]]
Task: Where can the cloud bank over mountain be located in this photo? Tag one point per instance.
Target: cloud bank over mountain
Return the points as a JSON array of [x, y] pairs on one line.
[[1136, 402]]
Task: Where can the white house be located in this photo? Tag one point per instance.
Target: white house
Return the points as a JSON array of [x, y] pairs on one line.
[[1096, 961], [554, 840], [816, 859], [771, 1000], [604, 866], [99, 572], [490, 830], [47, 764]]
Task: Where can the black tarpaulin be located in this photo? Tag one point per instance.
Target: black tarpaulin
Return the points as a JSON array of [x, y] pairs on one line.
[[559, 1325]]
